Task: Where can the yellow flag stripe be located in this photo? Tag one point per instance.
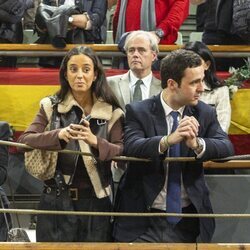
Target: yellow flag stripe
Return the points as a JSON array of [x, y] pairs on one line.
[[20, 103], [240, 120]]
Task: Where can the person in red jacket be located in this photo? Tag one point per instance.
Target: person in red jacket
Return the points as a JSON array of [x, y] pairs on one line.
[[162, 17]]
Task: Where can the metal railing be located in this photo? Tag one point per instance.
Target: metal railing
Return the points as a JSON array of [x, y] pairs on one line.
[[111, 50]]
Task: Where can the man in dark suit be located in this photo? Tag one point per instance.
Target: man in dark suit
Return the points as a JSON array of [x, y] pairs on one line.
[[173, 123]]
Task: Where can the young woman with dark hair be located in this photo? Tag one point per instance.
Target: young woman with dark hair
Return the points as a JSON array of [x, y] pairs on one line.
[[84, 93], [216, 94]]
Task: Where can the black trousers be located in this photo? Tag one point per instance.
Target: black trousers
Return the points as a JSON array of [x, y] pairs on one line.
[[160, 230], [72, 228], [93, 228]]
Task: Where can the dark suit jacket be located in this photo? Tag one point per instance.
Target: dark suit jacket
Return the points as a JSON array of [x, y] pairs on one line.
[[144, 127], [4, 135]]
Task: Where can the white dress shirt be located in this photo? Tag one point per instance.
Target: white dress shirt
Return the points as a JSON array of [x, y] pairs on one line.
[[145, 87], [160, 201], [69, 2]]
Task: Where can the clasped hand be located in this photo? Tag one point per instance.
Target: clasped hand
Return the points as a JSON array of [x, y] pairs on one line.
[[187, 130], [78, 132]]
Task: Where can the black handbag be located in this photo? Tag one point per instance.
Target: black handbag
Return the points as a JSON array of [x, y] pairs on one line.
[[56, 228]]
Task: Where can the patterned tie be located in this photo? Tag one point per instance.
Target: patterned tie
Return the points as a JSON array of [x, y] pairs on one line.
[[137, 91], [174, 178]]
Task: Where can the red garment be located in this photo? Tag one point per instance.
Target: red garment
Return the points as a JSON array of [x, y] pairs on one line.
[[170, 14]]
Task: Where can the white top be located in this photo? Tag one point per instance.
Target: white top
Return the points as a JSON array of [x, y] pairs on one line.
[[220, 100], [160, 201], [69, 2]]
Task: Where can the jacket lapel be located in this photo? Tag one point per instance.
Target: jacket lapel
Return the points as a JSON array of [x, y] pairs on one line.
[[124, 89], [158, 116], [155, 87]]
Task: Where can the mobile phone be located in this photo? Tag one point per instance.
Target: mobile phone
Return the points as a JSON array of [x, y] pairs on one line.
[[86, 118]]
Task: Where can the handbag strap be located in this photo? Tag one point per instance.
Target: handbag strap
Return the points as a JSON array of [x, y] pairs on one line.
[[60, 181], [76, 160], [55, 123]]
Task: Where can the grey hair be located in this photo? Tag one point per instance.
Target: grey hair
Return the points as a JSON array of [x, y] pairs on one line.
[[145, 35]]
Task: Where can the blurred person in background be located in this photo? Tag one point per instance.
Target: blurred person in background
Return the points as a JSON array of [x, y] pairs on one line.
[[215, 93], [11, 29], [86, 24], [29, 16], [5, 135], [162, 18], [218, 30]]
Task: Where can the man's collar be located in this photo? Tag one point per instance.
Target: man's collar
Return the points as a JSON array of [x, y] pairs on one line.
[[133, 79], [168, 109]]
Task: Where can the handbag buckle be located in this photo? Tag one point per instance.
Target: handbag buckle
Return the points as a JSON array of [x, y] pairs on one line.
[[73, 193], [48, 190]]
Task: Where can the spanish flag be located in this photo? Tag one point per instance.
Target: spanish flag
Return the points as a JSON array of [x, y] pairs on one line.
[[22, 89], [239, 131]]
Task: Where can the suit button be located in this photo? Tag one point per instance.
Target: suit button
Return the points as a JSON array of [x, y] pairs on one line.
[[148, 208]]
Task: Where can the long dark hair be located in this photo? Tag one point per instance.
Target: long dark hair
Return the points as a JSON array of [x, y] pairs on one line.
[[99, 87], [204, 52]]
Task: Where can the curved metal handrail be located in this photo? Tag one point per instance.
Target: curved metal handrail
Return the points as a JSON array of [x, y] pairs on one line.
[[233, 162]]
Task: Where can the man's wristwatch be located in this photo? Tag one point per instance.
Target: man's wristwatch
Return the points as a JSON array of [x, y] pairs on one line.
[[71, 19], [200, 146], [160, 33]]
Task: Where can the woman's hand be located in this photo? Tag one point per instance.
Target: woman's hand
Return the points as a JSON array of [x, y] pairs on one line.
[[64, 134], [78, 132], [83, 132]]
